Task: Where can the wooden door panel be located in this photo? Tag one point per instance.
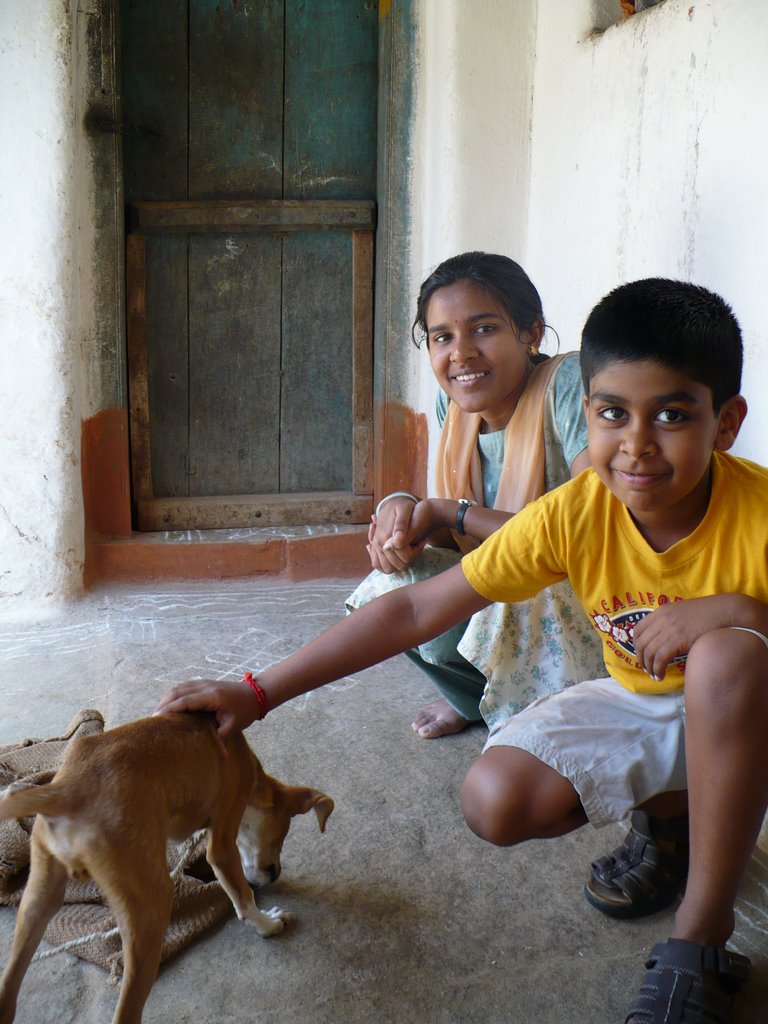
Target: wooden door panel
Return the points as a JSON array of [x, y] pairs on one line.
[[330, 100], [234, 346], [235, 99], [154, 87], [328, 233], [316, 410], [168, 362]]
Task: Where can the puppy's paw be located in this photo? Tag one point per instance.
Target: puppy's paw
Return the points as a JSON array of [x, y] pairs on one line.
[[269, 922], [15, 787]]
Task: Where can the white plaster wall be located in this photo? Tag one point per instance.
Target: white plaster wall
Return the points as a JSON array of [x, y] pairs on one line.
[[648, 159], [598, 157], [41, 530], [472, 136]]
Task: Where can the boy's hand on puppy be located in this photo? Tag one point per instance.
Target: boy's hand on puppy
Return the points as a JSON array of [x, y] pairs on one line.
[[672, 629], [234, 705]]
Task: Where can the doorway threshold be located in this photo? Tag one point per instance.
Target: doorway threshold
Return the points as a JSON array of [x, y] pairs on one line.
[[290, 552]]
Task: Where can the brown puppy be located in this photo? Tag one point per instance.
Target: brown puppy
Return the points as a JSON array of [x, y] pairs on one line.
[[116, 800]]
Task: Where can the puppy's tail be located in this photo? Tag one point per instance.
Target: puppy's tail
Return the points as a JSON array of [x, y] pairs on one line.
[[21, 800]]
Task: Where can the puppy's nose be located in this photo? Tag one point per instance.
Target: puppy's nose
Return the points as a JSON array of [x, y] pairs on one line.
[[273, 871]]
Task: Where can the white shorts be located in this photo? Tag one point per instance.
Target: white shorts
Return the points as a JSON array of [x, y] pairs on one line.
[[615, 747]]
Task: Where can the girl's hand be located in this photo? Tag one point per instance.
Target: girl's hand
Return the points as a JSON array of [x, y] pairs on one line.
[[388, 544], [234, 704]]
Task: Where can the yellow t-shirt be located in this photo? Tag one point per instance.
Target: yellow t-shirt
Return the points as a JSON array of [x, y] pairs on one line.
[[581, 531]]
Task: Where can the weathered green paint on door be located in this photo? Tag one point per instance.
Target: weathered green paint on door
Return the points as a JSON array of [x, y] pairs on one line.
[[251, 379]]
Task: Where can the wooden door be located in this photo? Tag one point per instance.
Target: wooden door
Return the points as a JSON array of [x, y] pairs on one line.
[[249, 167]]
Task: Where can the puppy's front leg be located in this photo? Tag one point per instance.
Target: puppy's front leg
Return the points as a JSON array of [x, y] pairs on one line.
[[224, 858], [266, 922], [43, 895]]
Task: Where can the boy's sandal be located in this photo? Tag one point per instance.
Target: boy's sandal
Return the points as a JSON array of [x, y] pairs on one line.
[[674, 990], [640, 877]]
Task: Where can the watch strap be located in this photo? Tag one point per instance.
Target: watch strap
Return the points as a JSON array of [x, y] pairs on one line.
[[464, 504]]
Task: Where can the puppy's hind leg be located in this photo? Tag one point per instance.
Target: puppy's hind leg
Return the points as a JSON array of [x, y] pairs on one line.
[[43, 895], [224, 857], [140, 895]]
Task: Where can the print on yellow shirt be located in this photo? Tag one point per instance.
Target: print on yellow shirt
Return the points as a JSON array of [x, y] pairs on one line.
[[619, 627]]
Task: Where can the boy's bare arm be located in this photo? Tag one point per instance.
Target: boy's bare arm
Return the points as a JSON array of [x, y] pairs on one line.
[[387, 626], [671, 630]]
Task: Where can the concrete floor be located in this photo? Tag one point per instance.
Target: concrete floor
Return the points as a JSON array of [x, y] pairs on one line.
[[401, 914]]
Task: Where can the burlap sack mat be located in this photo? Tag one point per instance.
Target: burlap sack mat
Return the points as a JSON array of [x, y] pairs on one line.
[[197, 905]]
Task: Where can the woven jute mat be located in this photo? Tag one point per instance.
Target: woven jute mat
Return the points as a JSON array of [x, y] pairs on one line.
[[197, 905]]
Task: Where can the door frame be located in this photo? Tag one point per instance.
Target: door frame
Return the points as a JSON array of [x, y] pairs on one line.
[[399, 451]]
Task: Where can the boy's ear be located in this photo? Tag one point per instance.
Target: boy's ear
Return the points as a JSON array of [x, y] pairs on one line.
[[729, 423]]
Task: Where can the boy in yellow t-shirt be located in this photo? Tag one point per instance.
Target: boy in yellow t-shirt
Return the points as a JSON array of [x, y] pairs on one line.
[[665, 542]]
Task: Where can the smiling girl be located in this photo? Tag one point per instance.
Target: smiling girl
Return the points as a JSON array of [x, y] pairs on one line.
[[512, 427]]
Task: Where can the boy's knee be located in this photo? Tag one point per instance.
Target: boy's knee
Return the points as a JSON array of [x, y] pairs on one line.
[[726, 666], [494, 803], [486, 805]]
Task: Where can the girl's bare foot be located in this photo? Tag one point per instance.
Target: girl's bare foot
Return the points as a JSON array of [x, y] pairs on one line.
[[438, 719]]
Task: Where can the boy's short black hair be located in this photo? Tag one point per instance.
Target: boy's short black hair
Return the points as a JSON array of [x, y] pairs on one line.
[[674, 323]]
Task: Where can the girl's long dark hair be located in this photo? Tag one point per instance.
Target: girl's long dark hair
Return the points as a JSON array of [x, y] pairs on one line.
[[500, 276]]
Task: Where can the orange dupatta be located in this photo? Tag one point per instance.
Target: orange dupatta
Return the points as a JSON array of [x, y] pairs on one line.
[[459, 474]]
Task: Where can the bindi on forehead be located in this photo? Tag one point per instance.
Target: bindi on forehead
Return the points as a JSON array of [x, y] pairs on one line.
[[475, 318]]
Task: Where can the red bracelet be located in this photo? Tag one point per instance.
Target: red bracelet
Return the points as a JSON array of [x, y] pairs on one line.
[[261, 697]]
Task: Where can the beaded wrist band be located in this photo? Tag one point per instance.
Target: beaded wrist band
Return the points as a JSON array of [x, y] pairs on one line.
[[261, 697]]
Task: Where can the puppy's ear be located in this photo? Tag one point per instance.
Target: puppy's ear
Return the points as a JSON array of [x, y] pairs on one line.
[[323, 806], [302, 799]]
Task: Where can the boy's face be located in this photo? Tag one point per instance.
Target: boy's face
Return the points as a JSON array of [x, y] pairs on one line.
[[652, 431]]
